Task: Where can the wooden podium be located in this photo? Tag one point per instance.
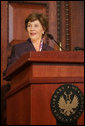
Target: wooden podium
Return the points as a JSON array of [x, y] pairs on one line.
[[34, 78]]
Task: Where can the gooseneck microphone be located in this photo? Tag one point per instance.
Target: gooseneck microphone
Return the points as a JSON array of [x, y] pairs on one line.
[[52, 38]]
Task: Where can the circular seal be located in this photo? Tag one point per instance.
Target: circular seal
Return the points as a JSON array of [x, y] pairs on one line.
[[67, 103]]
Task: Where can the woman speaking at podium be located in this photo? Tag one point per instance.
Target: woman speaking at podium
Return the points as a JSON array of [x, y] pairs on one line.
[[36, 25]]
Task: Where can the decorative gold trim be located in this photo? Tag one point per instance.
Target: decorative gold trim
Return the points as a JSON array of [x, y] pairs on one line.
[[67, 25], [59, 22]]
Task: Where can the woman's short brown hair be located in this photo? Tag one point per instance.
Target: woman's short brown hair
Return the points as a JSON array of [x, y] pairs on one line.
[[37, 16]]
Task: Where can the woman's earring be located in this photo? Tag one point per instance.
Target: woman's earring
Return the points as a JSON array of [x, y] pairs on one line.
[[43, 33]]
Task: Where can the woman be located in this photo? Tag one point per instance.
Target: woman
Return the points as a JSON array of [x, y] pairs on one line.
[[36, 25]]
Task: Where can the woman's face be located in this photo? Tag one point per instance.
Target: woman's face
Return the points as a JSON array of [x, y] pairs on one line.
[[35, 30]]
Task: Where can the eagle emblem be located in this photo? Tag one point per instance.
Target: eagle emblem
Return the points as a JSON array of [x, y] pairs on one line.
[[68, 106], [67, 103]]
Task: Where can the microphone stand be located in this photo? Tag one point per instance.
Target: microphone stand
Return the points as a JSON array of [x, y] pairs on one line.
[[57, 44], [52, 38]]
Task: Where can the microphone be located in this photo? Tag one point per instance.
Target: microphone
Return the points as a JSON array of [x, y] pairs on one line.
[[52, 38], [78, 48]]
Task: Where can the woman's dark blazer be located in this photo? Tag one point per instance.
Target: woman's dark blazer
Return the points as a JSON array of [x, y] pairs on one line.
[[22, 48]]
